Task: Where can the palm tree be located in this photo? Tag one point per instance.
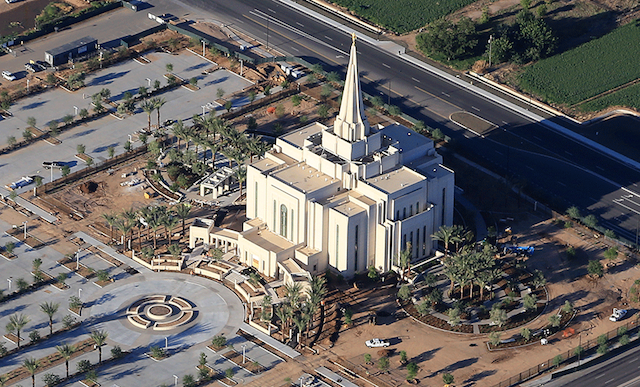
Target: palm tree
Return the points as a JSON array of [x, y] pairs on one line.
[[66, 351], [301, 323], [283, 314], [179, 131], [241, 175], [158, 102], [293, 294], [170, 222], [32, 364], [155, 223], [148, 107], [182, 210], [99, 337], [50, 308], [16, 323], [444, 235], [111, 221]]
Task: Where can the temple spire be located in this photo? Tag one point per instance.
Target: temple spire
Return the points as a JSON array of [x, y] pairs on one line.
[[351, 123]]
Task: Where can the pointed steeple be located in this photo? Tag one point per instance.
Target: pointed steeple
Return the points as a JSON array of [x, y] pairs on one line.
[[351, 123]]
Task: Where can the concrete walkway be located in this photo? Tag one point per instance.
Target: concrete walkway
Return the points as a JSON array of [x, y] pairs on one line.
[[30, 206], [290, 352], [108, 250]]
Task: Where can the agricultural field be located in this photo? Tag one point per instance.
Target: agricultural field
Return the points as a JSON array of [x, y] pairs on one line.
[[402, 16], [626, 97], [588, 70]]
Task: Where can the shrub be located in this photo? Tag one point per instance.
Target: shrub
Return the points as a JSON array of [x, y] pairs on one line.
[[567, 307], [219, 341], [34, 336], [573, 212], [116, 352], [595, 268], [68, 321], [367, 358], [22, 284], [156, 352], [229, 373], [447, 378], [602, 349], [494, 338], [383, 364], [602, 339], [624, 340], [83, 366], [557, 360], [188, 381], [404, 293], [403, 356], [437, 134], [571, 252], [526, 333], [51, 380], [611, 253]]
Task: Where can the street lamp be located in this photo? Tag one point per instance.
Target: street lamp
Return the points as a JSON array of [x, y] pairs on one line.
[[75, 112], [148, 82], [9, 279], [204, 44], [79, 291], [24, 226], [243, 354], [176, 378], [203, 107], [490, 40], [27, 85], [166, 343], [78, 260]]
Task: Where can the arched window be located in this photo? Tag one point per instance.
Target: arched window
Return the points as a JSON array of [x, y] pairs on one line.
[[283, 220]]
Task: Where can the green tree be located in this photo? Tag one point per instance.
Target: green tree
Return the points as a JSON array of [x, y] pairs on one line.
[[66, 350], [530, 302], [525, 333], [27, 135], [83, 113], [16, 323], [32, 365], [595, 268], [611, 253], [383, 364], [188, 381], [557, 360], [372, 273], [367, 358], [494, 338], [554, 320], [229, 373], [31, 121], [590, 221], [65, 170], [573, 212], [193, 81], [498, 316], [567, 307], [453, 41], [168, 67], [50, 309], [219, 341], [251, 96], [80, 148], [447, 378], [156, 84], [404, 293], [11, 141], [50, 380], [76, 81]]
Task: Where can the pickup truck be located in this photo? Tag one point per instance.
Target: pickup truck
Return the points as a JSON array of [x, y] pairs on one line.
[[377, 343], [25, 181]]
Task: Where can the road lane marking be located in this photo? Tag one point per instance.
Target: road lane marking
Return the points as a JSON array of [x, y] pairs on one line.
[[446, 94], [569, 153], [632, 360], [498, 152], [505, 122], [386, 65], [293, 48], [433, 95], [475, 108], [531, 168], [620, 204], [328, 38], [416, 80], [599, 376], [270, 10], [537, 138], [609, 381], [300, 24], [599, 167], [562, 184]]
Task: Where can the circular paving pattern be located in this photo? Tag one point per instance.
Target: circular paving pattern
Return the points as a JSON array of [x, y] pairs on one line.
[[160, 312]]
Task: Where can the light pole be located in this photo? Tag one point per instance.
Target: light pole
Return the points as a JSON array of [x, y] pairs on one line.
[[241, 63], [24, 226], [9, 279], [243, 354], [79, 291], [490, 40], [148, 82], [204, 44], [27, 85], [203, 107], [78, 260], [267, 31], [176, 380], [75, 111], [166, 343], [389, 94]]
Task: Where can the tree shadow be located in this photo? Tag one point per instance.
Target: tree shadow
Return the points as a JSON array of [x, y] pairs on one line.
[[6, 312], [33, 105], [107, 78], [479, 376], [426, 355]]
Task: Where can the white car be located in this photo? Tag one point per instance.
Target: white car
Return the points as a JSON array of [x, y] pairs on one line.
[[617, 314], [376, 343], [8, 76]]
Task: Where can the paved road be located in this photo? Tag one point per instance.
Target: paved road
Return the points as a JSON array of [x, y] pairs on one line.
[[620, 371], [567, 171]]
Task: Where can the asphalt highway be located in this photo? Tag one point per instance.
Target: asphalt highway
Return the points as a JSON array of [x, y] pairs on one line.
[[567, 171]]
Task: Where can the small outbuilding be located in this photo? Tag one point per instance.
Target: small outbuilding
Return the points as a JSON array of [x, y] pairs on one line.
[[78, 49]]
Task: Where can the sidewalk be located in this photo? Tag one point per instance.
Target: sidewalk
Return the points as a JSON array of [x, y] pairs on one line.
[[30, 206], [290, 352], [110, 251]]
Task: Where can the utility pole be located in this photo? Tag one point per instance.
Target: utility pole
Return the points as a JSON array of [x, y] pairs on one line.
[[267, 31], [389, 93]]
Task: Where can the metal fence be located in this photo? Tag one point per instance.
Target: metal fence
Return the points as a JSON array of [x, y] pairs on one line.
[[572, 354]]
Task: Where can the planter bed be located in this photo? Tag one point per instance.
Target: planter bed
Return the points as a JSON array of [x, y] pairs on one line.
[[236, 357], [435, 321], [105, 257], [521, 341], [31, 241], [262, 344], [49, 361], [13, 338], [8, 256], [83, 157]]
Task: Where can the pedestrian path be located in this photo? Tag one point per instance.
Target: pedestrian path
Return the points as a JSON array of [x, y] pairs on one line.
[[30, 206], [108, 250], [285, 349], [337, 379]]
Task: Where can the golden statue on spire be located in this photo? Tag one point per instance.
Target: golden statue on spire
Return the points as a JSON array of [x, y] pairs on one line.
[[353, 37]]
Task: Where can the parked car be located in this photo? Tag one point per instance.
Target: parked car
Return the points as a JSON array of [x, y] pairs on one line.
[[618, 314], [8, 76], [43, 64], [33, 67], [29, 67], [377, 343], [52, 164]]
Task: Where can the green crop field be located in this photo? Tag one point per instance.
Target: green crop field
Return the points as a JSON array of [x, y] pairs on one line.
[[587, 70], [402, 15], [627, 97]]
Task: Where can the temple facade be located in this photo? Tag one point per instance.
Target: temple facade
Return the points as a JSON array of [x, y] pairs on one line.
[[342, 198]]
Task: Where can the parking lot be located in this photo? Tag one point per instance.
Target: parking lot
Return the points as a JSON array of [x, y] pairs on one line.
[[108, 131]]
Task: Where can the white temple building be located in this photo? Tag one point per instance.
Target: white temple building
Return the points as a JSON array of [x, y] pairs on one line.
[[341, 198]]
